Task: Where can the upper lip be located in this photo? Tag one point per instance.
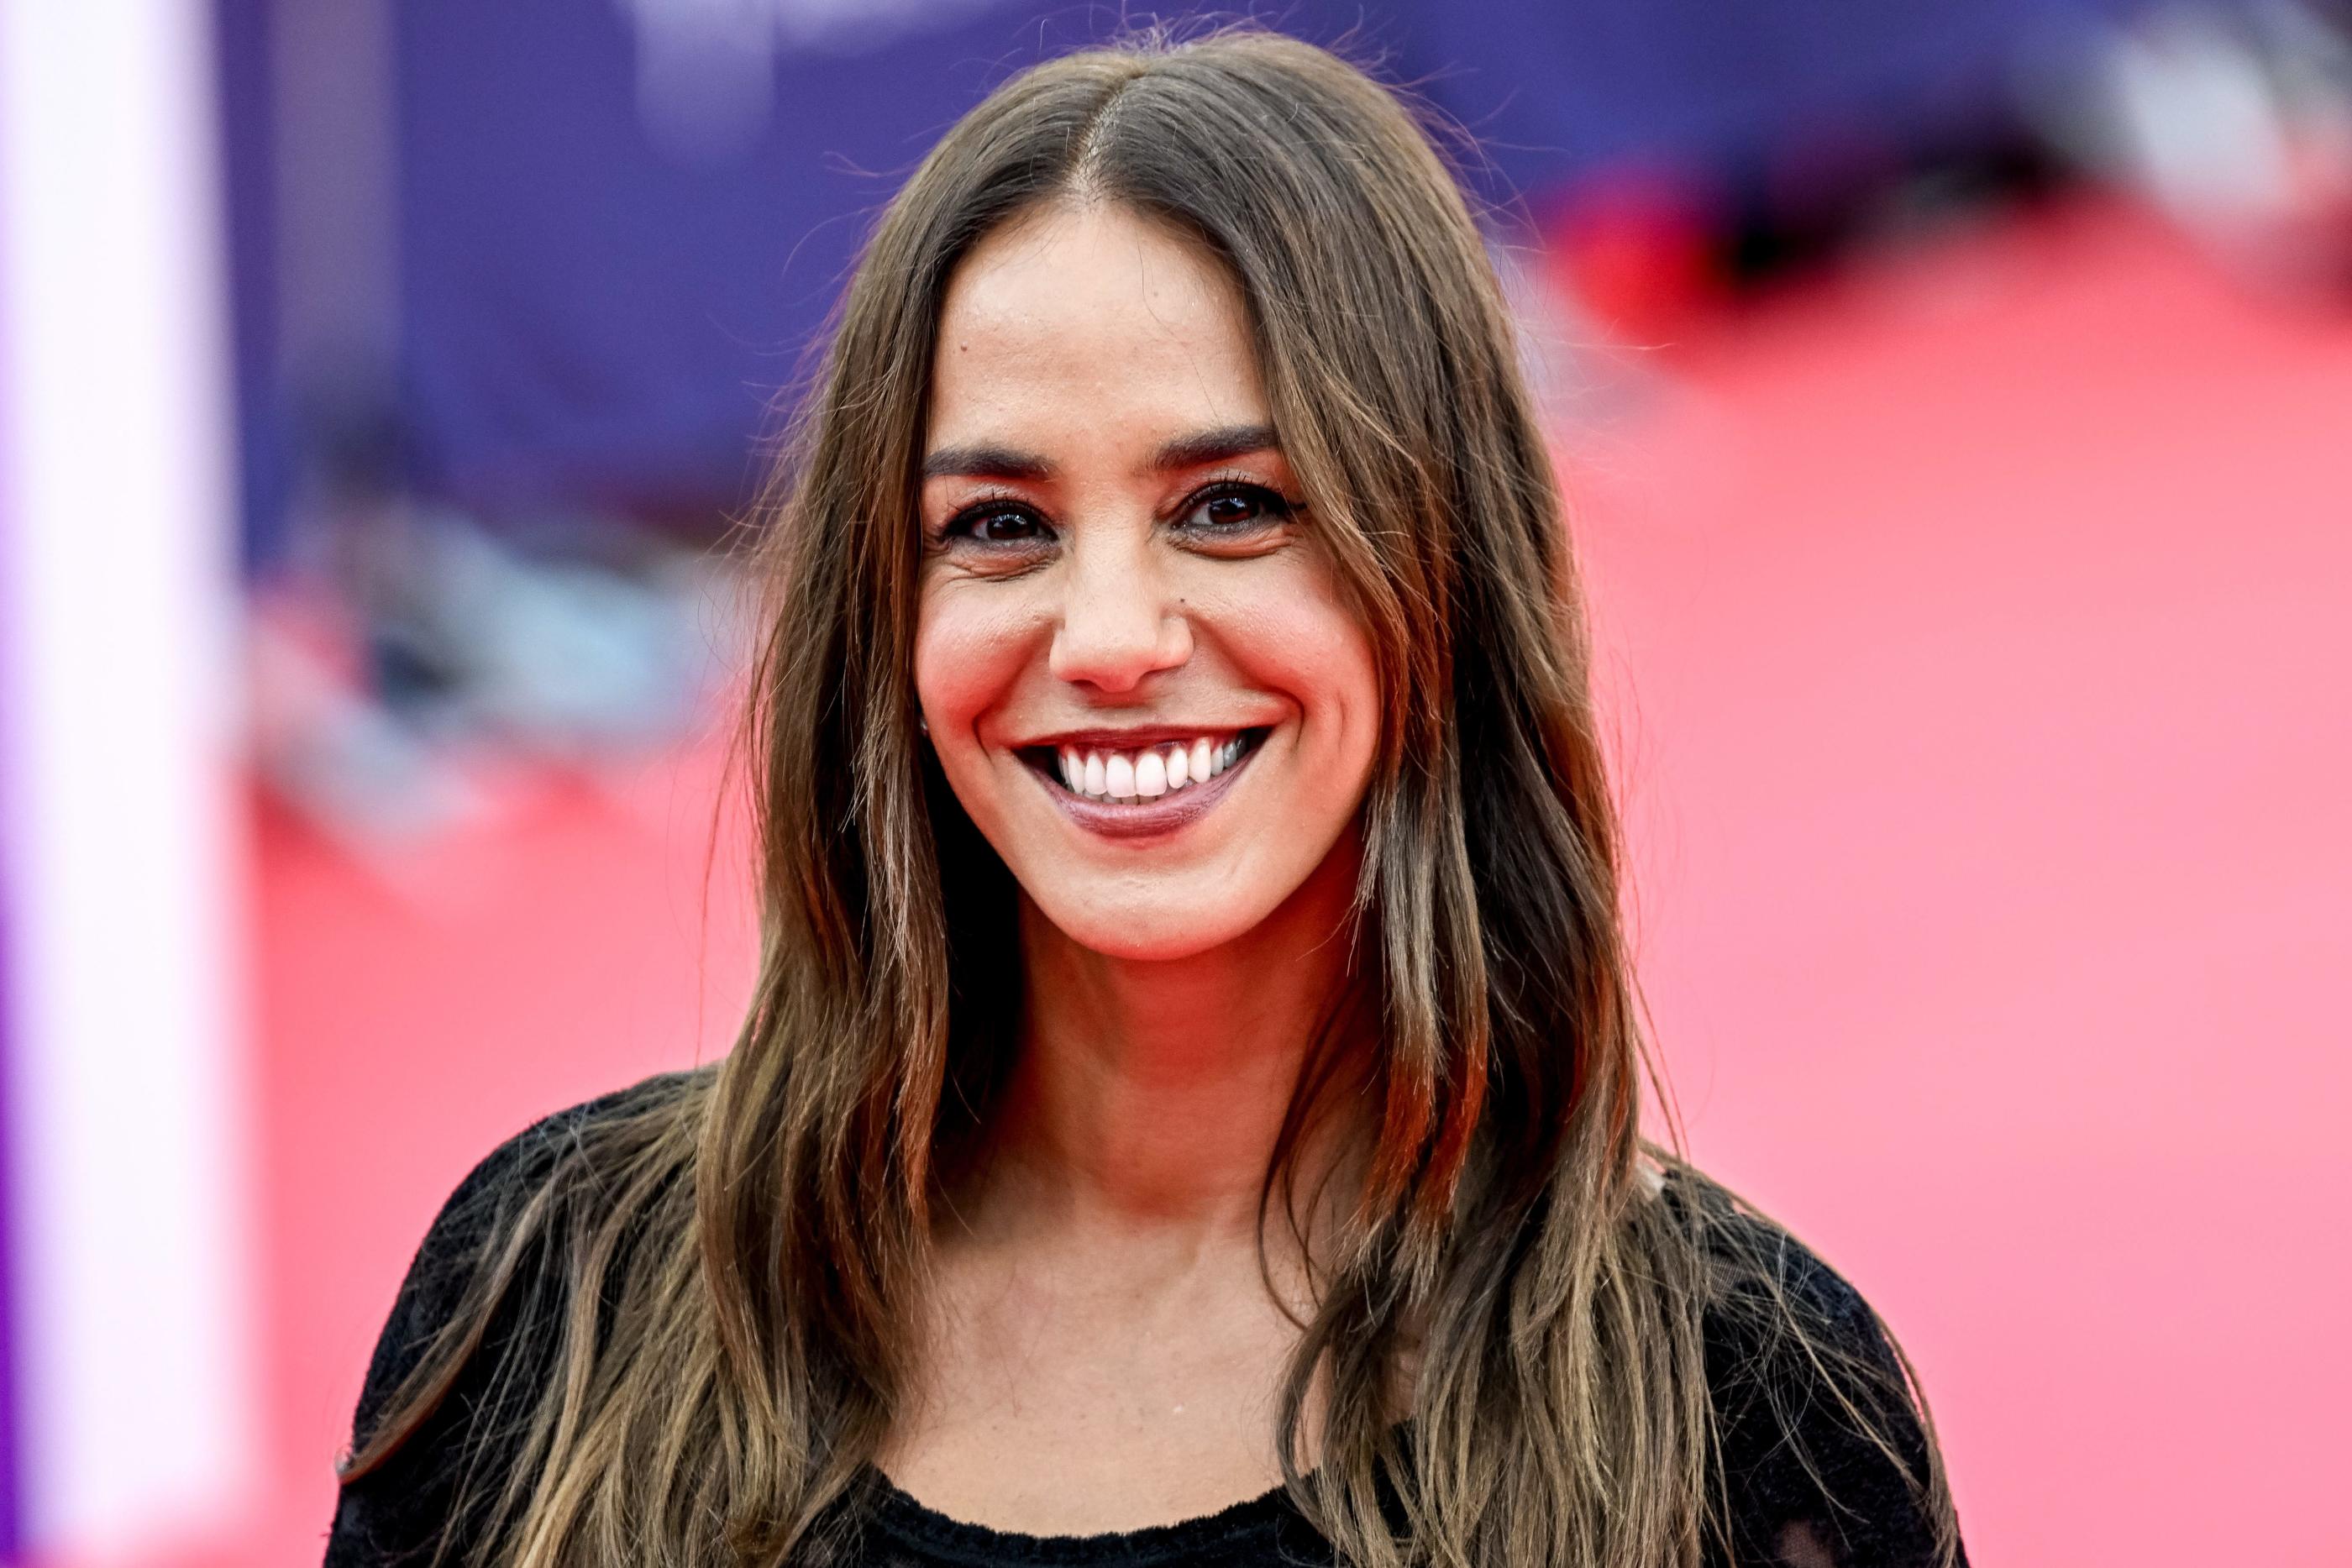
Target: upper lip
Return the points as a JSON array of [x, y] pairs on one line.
[[1133, 739]]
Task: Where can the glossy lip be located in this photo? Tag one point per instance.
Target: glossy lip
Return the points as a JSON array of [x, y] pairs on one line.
[[1136, 738], [1160, 816]]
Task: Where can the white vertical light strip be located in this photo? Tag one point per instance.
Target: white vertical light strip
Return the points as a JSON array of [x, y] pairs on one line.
[[134, 1413]]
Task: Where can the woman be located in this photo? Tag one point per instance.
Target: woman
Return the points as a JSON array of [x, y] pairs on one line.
[[1190, 1108]]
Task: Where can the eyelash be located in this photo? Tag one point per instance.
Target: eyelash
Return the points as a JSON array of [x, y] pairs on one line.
[[1272, 505]]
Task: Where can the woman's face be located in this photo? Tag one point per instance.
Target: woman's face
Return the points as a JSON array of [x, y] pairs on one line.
[[1131, 652]]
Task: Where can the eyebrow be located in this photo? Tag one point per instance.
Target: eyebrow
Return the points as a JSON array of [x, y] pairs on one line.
[[1222, 444], [986, 460]]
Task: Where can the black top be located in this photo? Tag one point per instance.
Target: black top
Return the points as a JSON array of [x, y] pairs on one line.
[[1812, 1495]]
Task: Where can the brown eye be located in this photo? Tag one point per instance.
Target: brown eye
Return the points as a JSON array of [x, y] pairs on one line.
[[997, 525], [1236, 509]]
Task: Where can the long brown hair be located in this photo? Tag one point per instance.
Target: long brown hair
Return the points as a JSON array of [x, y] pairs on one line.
[[739, 1251]]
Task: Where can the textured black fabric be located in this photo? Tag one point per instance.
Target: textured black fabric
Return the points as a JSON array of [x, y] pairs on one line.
[[1805, 1489]]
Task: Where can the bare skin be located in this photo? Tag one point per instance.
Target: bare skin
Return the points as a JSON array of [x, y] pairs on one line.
[[1106, 1351], [1108, 1338]]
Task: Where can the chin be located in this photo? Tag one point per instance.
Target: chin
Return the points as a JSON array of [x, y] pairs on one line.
[[1148, 930]]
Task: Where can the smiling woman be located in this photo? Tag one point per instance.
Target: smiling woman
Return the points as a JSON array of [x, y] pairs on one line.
[[1190, 1111], [1118, 581]]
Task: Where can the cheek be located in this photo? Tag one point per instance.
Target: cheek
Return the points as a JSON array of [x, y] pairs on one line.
[[1293, 632], [1344, 720], [970, 649]]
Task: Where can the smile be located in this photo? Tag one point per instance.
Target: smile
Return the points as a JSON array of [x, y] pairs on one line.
[[1148, 790]]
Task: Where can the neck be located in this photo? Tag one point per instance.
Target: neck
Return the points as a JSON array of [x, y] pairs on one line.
[[1152, 1094]]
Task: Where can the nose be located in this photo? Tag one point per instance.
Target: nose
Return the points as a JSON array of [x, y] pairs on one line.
[[1116, 624]]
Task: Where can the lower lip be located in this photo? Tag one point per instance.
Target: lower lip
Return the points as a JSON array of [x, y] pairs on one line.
[[1175, 810]]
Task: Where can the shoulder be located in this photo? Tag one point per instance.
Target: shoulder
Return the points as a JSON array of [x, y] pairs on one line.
[[531, 1157], [487, 1208], [1826, 1449], [488, 1211], [472, 1334], [1758, 1270]]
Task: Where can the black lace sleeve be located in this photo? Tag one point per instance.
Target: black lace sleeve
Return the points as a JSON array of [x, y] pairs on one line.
[[1806, 1425], [411, 1508]]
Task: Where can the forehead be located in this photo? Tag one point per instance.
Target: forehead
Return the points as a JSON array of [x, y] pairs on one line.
[[1090, 313]]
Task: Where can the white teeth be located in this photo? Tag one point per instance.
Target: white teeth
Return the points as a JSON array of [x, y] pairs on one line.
[[1124, 778]]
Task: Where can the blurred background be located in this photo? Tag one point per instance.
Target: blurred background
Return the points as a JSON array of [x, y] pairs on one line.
[[1956, 400]]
